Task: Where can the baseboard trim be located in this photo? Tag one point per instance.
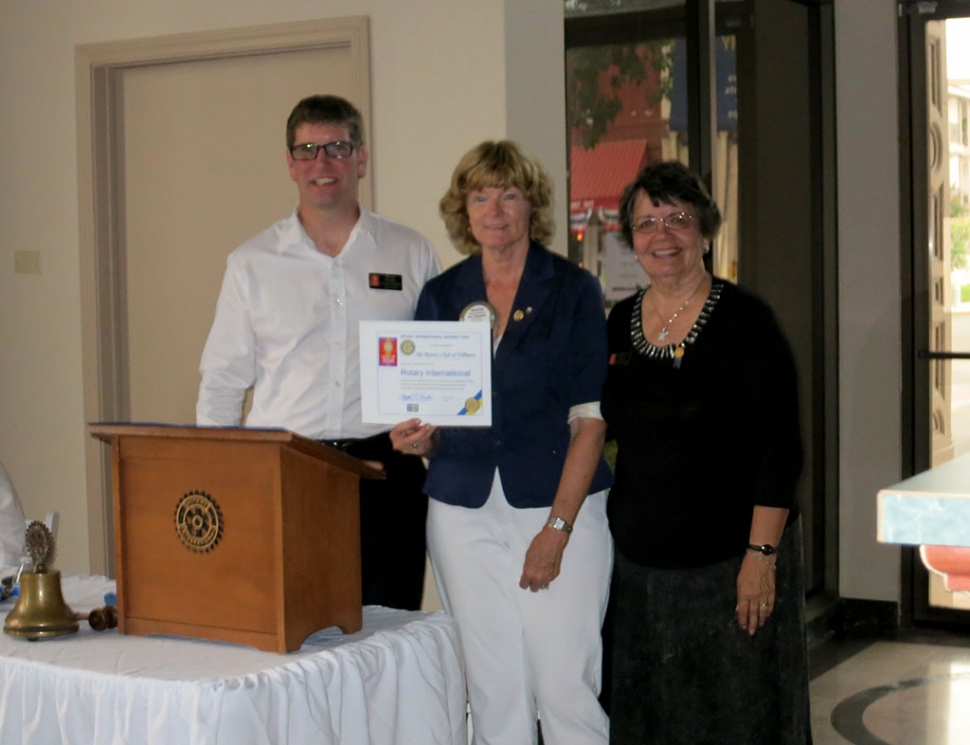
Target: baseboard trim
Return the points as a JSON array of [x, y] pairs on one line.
[[830, 616]]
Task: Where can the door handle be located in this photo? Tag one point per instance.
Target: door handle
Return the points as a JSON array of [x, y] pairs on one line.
[[926, 354]]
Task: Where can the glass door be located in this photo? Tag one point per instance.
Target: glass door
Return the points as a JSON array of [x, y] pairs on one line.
[[948, 166], [627, 106], [937, 42]]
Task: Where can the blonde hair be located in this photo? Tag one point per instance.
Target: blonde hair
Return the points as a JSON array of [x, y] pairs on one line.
[[498, 165]]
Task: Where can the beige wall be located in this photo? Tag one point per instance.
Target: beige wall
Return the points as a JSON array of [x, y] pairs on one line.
[[444, 76]]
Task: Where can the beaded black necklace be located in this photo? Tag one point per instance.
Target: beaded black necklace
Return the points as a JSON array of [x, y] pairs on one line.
[[673, 352]]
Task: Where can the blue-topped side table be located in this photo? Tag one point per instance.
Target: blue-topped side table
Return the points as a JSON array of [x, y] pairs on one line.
[[932, 510]]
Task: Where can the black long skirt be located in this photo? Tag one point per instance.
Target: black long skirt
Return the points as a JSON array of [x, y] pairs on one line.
[[685, 673]]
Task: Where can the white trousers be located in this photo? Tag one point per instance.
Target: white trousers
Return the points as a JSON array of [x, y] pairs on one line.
[[527, 654]]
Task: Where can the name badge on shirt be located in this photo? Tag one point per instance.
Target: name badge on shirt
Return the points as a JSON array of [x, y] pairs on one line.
[[386, 281], [479, 311]]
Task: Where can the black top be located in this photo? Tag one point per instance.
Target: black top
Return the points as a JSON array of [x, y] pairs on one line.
[[701, 438]]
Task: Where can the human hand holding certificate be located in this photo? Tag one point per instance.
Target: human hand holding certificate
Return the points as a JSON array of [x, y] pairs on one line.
[[438, 371]]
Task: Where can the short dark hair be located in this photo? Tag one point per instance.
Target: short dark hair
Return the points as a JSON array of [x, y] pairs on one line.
[[325, 110], [668, 181]]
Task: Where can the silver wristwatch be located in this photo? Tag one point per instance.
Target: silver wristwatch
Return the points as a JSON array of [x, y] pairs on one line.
[[559, 524]]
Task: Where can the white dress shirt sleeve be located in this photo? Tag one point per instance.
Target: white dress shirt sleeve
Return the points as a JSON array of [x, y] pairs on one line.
[[590, 410], [13, 526], [228, 365]]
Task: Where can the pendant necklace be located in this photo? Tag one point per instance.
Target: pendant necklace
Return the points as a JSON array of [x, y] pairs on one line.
[[664, 333]]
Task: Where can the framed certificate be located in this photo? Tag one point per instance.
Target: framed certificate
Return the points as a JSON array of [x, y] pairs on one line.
[[437, 371]]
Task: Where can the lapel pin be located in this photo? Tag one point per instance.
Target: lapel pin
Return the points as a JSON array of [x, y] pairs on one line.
[[479, 311]]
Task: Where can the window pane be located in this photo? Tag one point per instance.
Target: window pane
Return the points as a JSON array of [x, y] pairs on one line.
[[626, 107]]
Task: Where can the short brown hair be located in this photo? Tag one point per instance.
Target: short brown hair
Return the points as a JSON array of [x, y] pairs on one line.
[[500, 165], [325, 110]]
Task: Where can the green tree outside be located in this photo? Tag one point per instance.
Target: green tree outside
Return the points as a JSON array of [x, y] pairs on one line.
[[959, 233], [590, 108]]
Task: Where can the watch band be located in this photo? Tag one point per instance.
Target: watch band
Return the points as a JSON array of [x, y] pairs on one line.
[[559, 524], [765, 549]]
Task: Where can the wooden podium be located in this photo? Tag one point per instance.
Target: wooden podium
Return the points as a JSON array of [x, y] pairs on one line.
[[242, 535]]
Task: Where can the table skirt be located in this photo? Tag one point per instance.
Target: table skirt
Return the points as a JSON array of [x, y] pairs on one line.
[[399, 680]]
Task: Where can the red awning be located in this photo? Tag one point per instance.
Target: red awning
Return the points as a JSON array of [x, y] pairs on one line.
[[598, 176]]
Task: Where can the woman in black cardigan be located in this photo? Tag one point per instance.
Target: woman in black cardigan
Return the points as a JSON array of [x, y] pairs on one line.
[[701, 397]]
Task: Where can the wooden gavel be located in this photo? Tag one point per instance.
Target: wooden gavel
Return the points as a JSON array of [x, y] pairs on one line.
[[100, 618]]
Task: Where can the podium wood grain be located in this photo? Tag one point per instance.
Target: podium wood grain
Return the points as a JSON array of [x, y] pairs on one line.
[[288, 561]]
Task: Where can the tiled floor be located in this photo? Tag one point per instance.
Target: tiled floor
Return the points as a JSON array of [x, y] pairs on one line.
[[910, 689]]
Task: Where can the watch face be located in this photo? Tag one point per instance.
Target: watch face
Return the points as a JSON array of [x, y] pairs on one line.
[[559, 524], [767, 549]]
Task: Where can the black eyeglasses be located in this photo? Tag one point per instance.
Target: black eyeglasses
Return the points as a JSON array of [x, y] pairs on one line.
[[676, 221], [337, 149]]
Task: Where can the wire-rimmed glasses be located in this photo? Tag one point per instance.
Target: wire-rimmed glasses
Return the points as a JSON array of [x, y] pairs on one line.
[[650, 224]]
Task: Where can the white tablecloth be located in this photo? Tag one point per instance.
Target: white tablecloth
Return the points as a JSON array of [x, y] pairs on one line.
[[398, 681]]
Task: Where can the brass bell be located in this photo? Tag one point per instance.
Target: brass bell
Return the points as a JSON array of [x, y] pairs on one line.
[[40, 612]]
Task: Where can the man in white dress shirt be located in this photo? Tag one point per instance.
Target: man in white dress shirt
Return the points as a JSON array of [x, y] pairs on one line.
[[286, 325]]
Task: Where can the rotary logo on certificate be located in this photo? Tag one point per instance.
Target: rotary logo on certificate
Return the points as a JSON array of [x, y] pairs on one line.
[[437, 371]]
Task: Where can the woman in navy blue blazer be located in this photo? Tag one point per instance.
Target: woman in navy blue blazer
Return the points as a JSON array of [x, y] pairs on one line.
[[517, 527]]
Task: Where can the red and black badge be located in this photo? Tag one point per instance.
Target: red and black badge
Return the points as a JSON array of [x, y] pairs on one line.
[[385, 281]]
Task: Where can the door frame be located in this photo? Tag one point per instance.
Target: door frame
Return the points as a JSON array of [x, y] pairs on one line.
[[914, 285], [99, 71]]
